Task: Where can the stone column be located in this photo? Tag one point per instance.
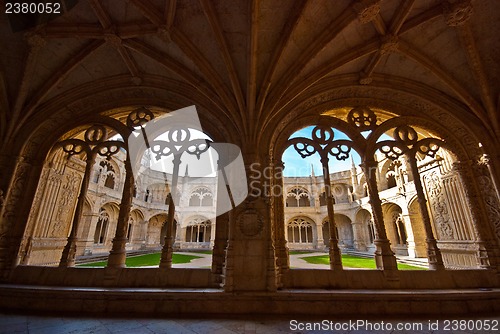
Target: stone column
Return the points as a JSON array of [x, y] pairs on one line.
[[90, 237], [278, 218], [334, 250], [167, 251], [484, 214], [15, 212], [319, 229], [250, 261], [358, 235], [220, 244], [69, 251], [117, 255], [384, 257], [433, 252], [178, 235]]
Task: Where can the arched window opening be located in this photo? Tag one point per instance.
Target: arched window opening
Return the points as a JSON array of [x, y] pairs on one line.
[[198, 231], [300, 231], [201, 197], [371, 231], [391, 180], [298, 197], [101, 227], [110, 181], [129, 229]]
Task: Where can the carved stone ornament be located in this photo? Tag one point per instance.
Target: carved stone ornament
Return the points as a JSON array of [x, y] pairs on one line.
[[35, 40], [367, 10], [113, 40], [439, 206], [456, 14], [390, 44], [250, 222]]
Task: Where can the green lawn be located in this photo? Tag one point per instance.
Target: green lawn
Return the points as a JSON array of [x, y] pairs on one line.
[[354, 262], [146, 260]]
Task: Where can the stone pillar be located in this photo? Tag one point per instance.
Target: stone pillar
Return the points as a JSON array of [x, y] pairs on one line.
[[40, 202], [319, 229], [484, 211], [334, 250], [167, 251], [117, 255], [69, 251], [15, 212], [276, 191], [384, 257], [178, 235], [250, 261], [433, 252], [89, 243], [212, 232], [358, 235], [220, 244]]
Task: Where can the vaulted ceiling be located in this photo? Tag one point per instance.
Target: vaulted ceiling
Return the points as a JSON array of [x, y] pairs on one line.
[[246, 62]]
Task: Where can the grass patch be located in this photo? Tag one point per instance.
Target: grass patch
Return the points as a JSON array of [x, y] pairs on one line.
[[350, 261], [146, 260]]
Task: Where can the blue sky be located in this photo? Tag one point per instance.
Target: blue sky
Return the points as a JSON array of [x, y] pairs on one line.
[[295, 165]]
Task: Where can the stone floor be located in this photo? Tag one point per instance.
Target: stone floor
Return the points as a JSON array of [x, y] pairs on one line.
[[11, 323]]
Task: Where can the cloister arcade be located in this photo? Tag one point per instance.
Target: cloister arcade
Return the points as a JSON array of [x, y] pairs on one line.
[[403, 93]]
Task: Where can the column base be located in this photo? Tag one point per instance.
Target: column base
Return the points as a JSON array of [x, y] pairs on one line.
[[384, 256], [68, 254], [117, 255], [434, 255]]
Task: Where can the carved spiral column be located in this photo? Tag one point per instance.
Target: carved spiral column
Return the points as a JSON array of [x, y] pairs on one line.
[[475, 179], [117, 255], [384, 257]]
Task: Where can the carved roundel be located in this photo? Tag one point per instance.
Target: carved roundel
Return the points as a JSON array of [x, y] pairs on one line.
[[250, 222], [363, 118], [179, 135], [406, 134], [322, 135], [139, 117], [96, 134]]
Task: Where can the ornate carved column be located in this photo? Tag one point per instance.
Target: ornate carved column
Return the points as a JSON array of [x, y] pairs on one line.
[[34, 218], [384, 257], [276, 192], [117, 255], [484, 209], [220, 244], [15, 211], [69, 251], [433, 252]]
